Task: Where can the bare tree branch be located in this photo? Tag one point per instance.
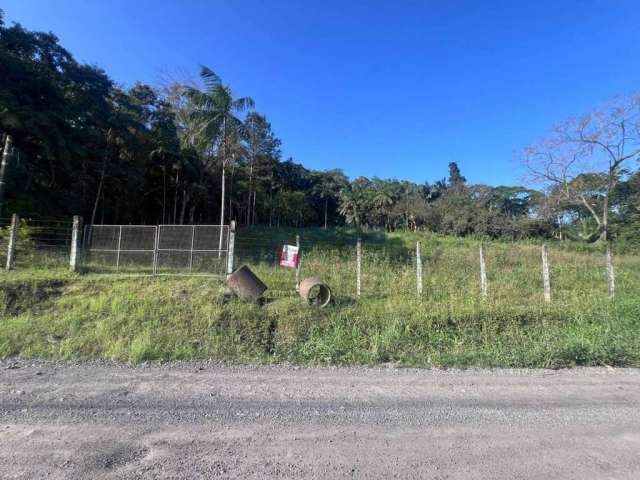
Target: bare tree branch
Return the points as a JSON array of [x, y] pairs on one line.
[[583, 159]]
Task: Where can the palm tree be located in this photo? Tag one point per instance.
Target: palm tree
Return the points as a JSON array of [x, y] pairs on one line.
[[383, 201], [329, 184], [214, 113], [350, 206]]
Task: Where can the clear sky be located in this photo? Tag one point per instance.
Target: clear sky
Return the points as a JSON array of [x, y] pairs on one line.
[[395, 89]]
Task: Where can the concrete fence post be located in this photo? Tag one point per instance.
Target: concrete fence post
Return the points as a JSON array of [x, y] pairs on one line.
[[156, 245], [546, 279], [193, 239], [231, 248], [5, 154], [118, 252], [358, 267], [13, 239], [75, 256], [611, 278], [298, 264], [483, 273], [418, 270]]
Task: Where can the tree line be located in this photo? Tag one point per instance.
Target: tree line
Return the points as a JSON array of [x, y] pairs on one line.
[[75, 142]]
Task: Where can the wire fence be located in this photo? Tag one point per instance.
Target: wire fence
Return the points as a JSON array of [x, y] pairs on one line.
[[439, 269], [386, 263], [40, 242], [355, 263], [134, 249]]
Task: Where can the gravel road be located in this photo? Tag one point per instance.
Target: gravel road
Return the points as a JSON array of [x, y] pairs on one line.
[[204, 420]]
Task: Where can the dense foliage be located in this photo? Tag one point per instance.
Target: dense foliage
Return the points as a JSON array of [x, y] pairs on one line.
[[77, 143]]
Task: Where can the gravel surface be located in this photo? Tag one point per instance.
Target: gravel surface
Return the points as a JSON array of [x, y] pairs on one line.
[[98, 420]]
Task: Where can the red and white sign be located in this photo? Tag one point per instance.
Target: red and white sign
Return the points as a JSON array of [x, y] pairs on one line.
[[289, 256]]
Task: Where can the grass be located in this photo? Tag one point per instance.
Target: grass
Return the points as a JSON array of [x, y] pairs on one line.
[[54, 314]]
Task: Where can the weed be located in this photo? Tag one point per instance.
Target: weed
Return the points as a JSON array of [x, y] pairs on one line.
[[51, 313]]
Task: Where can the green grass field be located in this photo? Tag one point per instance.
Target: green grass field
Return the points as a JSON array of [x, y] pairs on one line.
[[52, 313]]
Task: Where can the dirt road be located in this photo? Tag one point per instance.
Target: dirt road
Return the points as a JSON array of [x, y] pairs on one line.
[[201, 420]]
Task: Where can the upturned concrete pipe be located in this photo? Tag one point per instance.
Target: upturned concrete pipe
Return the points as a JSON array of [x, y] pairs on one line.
[[245, 284], [315, 292]]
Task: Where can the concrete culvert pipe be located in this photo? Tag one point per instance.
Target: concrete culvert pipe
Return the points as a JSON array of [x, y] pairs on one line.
[[245, 284], [315, 292]]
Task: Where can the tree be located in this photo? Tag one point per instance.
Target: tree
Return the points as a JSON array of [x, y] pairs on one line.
[[192, 167], [214, 113], [351, 206], [261, 143], [456, 180], [626, 199], [73, 142], [328, 185], [583, 159], [56, 112], [383, 200]]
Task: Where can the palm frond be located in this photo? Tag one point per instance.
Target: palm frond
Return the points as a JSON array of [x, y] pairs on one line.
[[210, 79], [243, 103]]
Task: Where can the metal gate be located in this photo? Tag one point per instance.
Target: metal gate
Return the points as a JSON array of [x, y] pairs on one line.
[[157, 249]]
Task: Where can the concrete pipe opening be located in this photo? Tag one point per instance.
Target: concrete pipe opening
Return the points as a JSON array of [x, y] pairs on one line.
[[315, 292]]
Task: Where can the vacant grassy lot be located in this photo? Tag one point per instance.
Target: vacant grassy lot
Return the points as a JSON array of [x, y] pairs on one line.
[[51, 313]]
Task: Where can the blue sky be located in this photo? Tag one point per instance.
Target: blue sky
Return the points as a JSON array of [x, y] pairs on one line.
[[377, 88]]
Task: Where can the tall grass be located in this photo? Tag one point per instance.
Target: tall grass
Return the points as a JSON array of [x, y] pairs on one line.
[[56, 314]]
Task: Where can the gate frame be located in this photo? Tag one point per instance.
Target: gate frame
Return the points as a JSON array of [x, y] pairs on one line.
[[228, 252], [191, 250]]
